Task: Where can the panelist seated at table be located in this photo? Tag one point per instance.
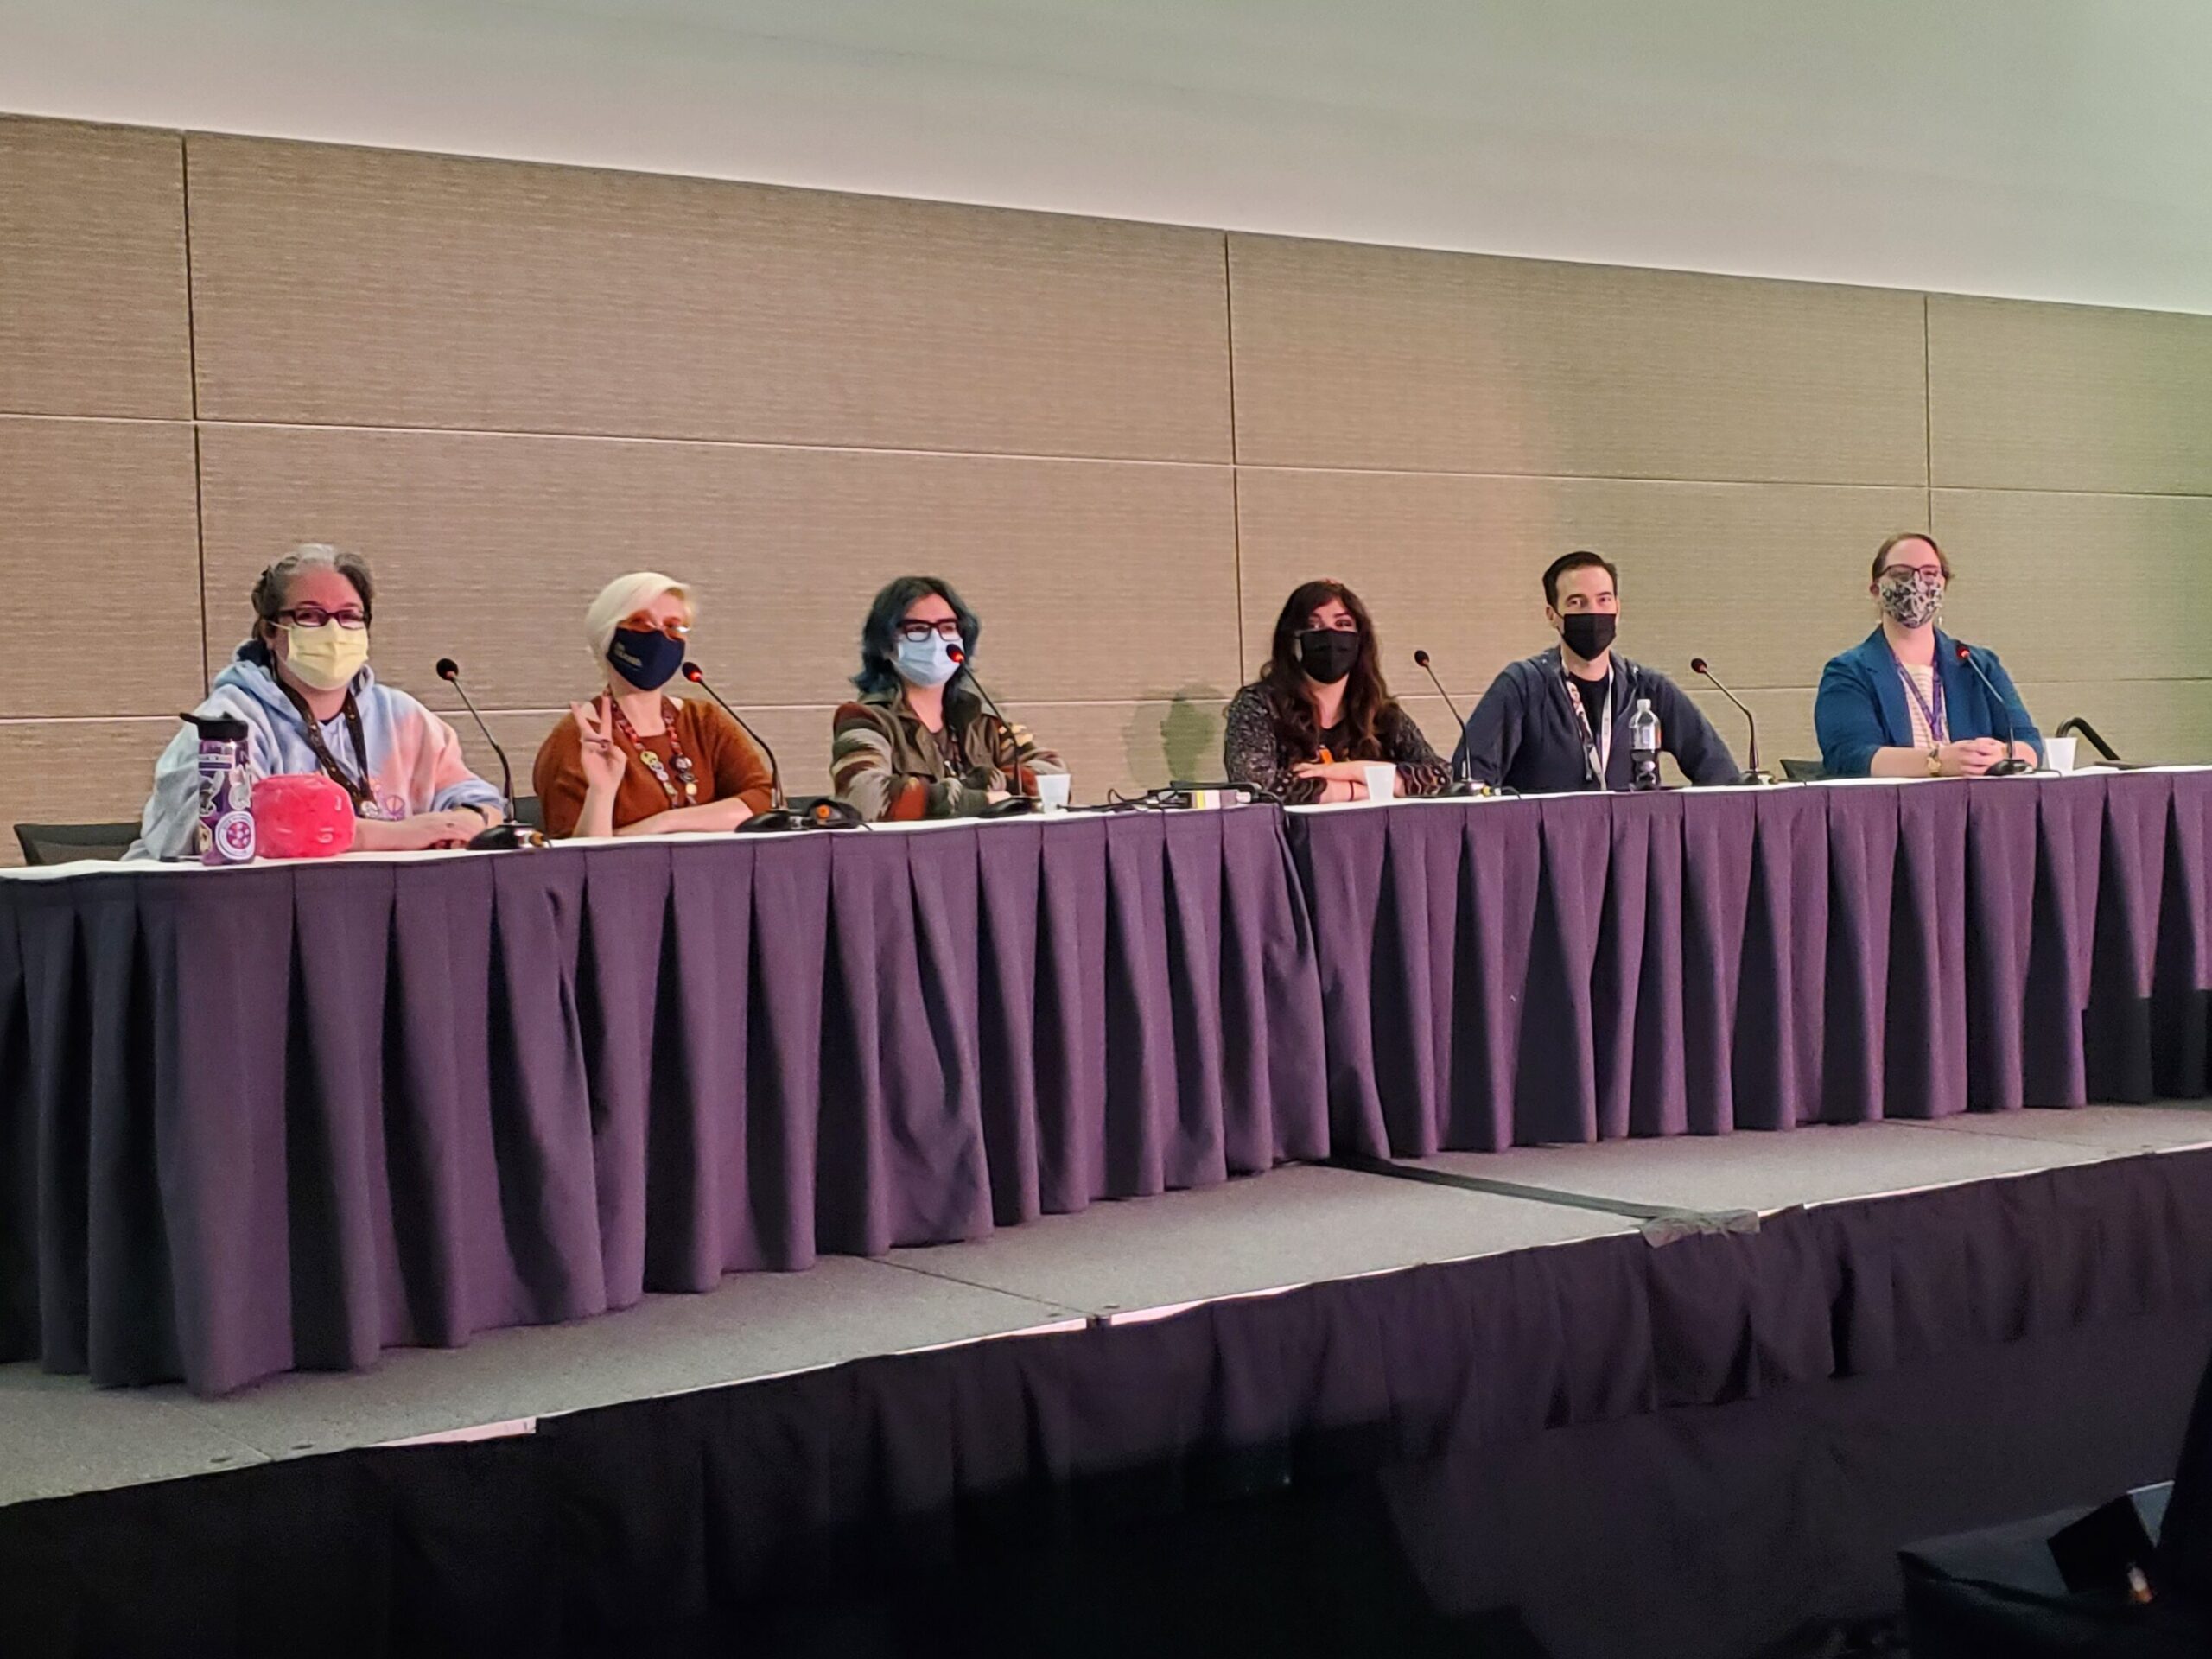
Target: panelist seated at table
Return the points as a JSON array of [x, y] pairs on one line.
[[302, 685], [1558, 721], [1320, 713], [633, 760], [920, 742], [1900, 703]]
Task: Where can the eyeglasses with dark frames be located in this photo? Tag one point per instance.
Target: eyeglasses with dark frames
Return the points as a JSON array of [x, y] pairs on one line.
[[349, 617]]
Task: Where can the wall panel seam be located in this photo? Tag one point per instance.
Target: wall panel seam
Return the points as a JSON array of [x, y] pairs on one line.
[[1928, 408], [1235, 482], [232, 424], [192, 369]]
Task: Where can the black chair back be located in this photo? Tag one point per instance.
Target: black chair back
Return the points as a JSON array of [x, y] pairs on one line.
[[64, 843]]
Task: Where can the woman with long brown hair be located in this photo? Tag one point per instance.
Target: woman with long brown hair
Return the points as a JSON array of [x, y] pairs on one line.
[[1319, 715]]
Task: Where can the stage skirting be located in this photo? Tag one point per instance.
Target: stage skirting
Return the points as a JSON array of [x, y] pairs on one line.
[[1678, 1449], [1583, 967], [285, 1117], [281, 1117]]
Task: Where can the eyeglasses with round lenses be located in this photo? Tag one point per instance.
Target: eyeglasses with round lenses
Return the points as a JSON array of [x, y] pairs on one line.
[[1900, 571], [313, 616], [947, 630], [675, 628]]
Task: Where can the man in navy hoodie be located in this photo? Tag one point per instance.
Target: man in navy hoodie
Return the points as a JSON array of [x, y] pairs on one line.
[[1558, 721]]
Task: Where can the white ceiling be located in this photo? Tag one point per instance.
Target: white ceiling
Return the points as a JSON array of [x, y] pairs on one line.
[[2049, 149]]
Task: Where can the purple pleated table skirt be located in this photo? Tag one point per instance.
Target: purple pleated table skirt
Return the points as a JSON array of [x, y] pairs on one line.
[[285, 1117], [1574, 968]]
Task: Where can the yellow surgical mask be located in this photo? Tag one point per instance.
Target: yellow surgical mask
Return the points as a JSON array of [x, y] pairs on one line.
[[326, 657]]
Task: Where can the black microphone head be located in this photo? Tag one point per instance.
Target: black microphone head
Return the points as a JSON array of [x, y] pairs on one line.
[[1420, 659], [1697, 665], [690, 672], [959, 656], [448, 669], [1966, 651]]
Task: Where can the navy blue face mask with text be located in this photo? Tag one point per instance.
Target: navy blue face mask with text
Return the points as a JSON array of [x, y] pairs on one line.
[[645, 657]]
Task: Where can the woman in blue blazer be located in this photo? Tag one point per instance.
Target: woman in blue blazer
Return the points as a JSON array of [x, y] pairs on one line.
[[1900, 704]]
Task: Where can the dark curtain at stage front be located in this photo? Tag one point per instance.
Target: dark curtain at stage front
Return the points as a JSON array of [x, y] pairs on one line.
[[1673, 1449]]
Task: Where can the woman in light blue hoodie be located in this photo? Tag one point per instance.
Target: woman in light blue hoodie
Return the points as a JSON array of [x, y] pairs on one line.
[[303, 687]]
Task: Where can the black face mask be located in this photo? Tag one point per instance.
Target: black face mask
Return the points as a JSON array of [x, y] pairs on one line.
[[1327, 654], [645, 657], [1587, 633]]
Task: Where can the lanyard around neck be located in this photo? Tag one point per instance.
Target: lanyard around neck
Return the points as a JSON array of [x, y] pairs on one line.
[[1934, 713], [358, 789], [1598, 746]]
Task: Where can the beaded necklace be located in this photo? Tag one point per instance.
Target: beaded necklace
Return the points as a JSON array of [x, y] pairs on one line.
[[653, 763]]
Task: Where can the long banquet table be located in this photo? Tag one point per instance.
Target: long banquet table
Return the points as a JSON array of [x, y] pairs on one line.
[[1500, 972], [283, 1116]]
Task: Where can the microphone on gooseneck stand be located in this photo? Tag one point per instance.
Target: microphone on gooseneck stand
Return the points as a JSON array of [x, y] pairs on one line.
[[498, 837], [1753, 773], [2095, 739], [1015, 804], [2012, 766], [1461, 783], [776, 797]]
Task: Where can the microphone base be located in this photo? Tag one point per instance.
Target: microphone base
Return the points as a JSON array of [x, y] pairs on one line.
[[1747, 779], [507, 838], [808, 812], [1461, 789], [2012, 768], [1014, 806]]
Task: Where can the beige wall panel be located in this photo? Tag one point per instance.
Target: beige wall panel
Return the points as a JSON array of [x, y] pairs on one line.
[[1768, 581], [92, 311], [2032, 397], [1095, 580], [382, 289], [2081, 587], [1350, 356], [96, 532], [1130, 747], [75, 771], [2149, 722]]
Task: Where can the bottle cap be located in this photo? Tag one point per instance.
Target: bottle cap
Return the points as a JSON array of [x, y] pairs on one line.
[[218, 728]]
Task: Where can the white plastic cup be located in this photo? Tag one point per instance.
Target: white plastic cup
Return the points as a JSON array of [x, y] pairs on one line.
[[1052, 791], [2058, 753], [1381, 783]]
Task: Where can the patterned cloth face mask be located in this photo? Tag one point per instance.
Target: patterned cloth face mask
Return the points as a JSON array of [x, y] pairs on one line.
[[1912, 597]]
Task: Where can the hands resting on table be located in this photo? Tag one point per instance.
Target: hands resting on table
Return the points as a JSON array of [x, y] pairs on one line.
[[1343, 780]]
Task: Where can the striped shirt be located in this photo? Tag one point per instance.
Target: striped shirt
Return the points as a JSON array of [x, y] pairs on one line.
[[1923, 676], [888, 765]]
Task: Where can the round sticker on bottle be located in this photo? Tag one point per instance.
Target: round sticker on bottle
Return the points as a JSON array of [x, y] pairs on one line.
[[234, 834]]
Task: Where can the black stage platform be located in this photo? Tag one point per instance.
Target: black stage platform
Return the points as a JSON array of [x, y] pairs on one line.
[[1672, 1398]]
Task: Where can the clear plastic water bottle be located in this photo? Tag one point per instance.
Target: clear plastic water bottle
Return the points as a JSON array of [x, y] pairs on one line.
[[1643, 746]]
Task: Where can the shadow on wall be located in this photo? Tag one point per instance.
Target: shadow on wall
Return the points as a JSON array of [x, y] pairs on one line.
[[1182, 740]]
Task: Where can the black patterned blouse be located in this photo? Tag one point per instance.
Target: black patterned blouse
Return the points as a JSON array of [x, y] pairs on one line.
[[1256, 751]]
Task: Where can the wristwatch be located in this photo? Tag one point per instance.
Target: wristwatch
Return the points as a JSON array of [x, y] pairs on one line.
[[1934, 760]]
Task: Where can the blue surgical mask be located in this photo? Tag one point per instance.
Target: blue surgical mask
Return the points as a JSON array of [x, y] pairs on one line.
[[924, 661]]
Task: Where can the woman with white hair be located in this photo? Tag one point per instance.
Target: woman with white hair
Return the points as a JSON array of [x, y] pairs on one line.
[[633, 760], [302, 685]]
